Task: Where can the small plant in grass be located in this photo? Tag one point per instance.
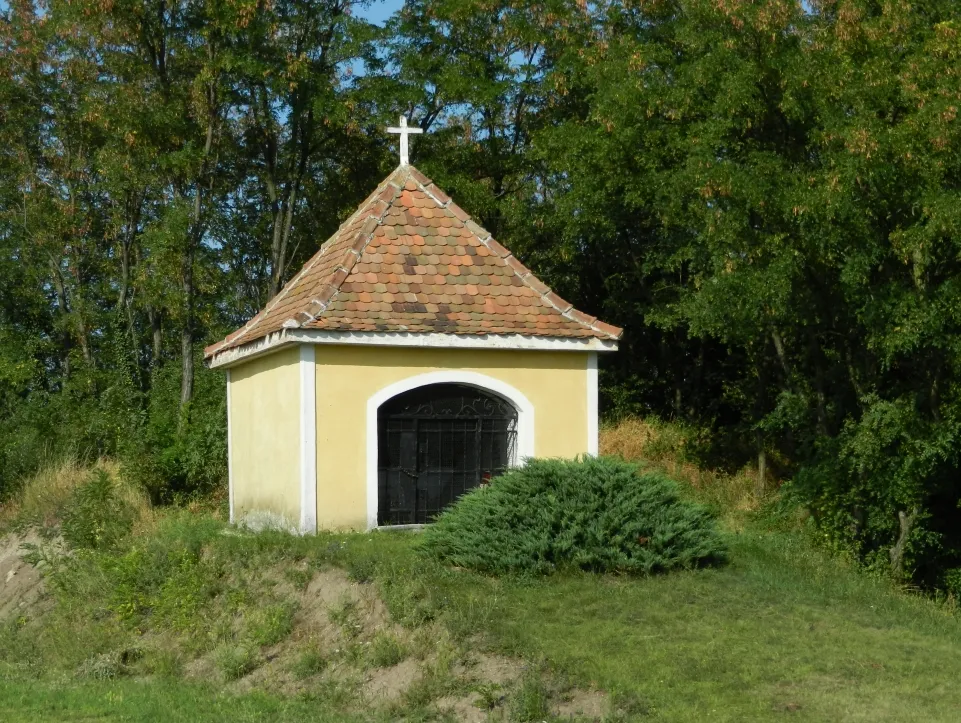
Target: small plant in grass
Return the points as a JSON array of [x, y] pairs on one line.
[[386, 651], [489, 695], [105, 666], [530, 701], [628, 705], [164, 663], [952, 582], [272, 623], [308, 663], [346, 617], [95, 516], [184, 597], [108, 666], [437, 678], [300, 579], [361, 569], [593, 514], [335, 693], [236, 661]]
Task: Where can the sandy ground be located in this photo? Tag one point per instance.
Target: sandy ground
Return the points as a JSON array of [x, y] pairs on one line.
[[21, 585], [338, 617]]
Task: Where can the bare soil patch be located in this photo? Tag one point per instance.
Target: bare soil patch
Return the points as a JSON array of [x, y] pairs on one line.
[[494, 669], [390, 684], [21, 584], [466, 709], [338, 622], [584, 704]]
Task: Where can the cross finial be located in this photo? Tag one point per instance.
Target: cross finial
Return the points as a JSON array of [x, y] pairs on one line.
[[404, 131]]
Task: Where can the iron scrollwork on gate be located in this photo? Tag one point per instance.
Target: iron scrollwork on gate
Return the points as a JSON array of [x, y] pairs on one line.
[[457, 406], [437, 442]]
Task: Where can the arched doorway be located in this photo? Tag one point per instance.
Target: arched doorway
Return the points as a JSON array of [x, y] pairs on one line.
[[436, 442]]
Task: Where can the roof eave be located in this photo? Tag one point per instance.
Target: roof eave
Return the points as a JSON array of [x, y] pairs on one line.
[[225, 358]]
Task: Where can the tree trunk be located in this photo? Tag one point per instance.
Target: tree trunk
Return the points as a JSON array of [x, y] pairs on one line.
[[194, 238], [759, 406], [84, 341], [284, 218], [761, 486], [283, 223], [156, 328], [817, 359], [187, 332], [896, 553], [127, 253], [782, 357], [66, 341]]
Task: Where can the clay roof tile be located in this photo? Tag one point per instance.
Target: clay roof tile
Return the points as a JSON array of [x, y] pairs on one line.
[[410, 259]]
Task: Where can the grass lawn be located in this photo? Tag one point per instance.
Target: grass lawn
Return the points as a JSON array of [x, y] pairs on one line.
[[127, 700], [782, 632]]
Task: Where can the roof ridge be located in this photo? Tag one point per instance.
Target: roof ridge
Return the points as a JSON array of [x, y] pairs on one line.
[[353, 253], [565, 308]]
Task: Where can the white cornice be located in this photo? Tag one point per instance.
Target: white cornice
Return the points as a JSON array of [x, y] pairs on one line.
[[284, 337]]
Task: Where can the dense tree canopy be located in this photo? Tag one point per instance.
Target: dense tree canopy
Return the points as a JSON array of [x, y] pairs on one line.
[[765, 194]]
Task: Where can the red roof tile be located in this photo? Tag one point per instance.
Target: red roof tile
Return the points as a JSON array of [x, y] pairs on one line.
[[410, 260]]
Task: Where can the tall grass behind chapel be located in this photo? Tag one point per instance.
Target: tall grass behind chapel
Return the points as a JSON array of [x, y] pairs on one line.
[[673, 447], [44, 496]]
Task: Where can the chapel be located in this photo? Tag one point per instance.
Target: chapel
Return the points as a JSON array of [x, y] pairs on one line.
[[412, 359]]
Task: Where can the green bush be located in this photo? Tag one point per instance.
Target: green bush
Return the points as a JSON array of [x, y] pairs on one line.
[[236, 661], [531, 701], [96, 517], [310, 661], [594, 514], [179, 453], [271, 624], [386, 651]]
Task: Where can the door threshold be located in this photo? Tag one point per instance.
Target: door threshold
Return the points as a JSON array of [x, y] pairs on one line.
[[400, 528]]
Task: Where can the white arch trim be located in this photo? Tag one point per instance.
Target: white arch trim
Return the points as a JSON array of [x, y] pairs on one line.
[[525, 418]]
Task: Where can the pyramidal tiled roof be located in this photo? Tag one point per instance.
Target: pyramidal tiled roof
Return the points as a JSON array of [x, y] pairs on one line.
[[410, 260]]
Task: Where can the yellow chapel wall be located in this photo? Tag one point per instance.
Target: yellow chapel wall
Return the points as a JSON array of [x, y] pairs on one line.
[[265, 438], [555, 383]]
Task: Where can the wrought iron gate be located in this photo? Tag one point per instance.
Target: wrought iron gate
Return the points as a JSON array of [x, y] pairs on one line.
[[435, 443]]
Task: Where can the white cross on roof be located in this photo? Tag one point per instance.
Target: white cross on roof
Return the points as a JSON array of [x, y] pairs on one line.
[[403, 131]]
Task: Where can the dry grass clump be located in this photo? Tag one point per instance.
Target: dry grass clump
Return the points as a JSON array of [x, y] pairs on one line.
[[42, 499], [668, 446]]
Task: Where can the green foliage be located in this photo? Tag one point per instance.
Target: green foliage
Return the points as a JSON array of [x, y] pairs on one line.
[[531, 701], [764, 194], [309, 662], [386, 650], [720, 639], [891, 473], [272, 623], [164, 663], [96, 517], [236, 661], [189, 587], [594, 514], [180, 452]]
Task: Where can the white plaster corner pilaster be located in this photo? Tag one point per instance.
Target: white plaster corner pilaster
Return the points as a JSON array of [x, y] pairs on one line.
[[308, 440], [592, 419], [230, 456]]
